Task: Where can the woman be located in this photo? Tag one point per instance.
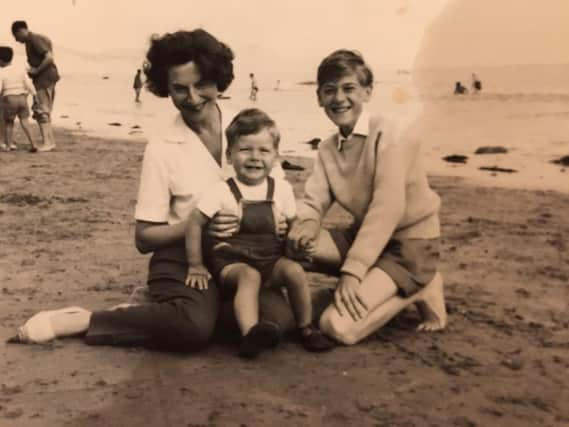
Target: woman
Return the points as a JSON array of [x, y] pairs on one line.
[[184, 158]]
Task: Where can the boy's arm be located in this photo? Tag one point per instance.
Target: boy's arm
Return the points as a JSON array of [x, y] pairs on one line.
[[318, 196], [387, 206]]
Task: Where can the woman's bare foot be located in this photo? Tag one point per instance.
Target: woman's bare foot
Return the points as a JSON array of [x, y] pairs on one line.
[[431, 305]]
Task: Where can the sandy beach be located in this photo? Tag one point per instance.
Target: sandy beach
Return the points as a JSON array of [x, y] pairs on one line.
[[67, 239]]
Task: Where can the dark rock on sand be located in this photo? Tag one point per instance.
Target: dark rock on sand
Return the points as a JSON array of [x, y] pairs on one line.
[[291, 166], [314, 142], [135, 127], [115, 124], [455, 158], [105, 77], [496, 169], [562, 161], [491, 150]]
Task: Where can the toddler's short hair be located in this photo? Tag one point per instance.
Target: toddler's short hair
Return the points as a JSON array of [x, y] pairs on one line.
[[341, 62], [6, 54], [249, 122], [18, 25]]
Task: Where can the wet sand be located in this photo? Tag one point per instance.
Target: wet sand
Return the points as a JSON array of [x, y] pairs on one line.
[[67, 239]]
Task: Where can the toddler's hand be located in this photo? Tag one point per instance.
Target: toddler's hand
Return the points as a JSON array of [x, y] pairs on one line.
[[198, 277]]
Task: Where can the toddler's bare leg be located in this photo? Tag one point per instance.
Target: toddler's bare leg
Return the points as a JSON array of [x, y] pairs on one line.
[[247, 282], [8, 132], [292, 276]]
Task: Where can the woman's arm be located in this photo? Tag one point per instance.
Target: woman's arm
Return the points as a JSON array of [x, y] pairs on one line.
[[149, 236]]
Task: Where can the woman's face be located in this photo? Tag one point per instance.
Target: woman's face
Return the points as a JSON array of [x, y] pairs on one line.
[[189, 93]]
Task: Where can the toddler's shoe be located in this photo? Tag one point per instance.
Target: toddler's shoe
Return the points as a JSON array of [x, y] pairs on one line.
[[261, 336], [313, 340]]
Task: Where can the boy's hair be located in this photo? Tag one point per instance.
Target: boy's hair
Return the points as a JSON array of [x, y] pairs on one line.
[[6, 54], [18, 25], [249, 122], [341, 62]]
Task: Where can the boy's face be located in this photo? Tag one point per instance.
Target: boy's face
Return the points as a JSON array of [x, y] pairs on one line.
[[253, 157], [343, 100]]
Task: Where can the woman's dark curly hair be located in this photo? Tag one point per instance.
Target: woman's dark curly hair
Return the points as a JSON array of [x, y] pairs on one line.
[[212, 57]]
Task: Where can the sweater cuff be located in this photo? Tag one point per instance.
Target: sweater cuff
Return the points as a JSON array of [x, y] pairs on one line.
[[355, 268]]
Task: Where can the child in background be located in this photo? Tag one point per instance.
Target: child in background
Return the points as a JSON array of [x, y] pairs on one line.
[[253, 257], [388, 259], [14, 89]]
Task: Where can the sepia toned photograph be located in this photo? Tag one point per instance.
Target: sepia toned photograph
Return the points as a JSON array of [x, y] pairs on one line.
[[304, 213]]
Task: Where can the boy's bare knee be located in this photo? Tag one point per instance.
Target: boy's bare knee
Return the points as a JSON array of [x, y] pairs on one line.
[[294, 273], [248, 274], [338, 327]]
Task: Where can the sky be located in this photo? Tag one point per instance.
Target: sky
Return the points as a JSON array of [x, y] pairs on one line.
[[295, 35], [285, 35]]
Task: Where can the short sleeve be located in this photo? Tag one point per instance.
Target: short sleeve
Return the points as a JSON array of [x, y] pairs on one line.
[[287, 200], [213, 201], [153, 204]]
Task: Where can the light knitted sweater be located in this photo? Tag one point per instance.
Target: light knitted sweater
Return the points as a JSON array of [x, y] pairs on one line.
[[376, 174]]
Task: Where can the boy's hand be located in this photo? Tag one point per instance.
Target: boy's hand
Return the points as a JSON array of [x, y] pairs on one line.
[[302, 236], [347, 299], [224, 224], [198, 277]]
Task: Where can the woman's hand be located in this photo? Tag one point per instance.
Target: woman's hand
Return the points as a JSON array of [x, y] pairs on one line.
[[198, 277], [223, 224], [347, 299], [302, 236]]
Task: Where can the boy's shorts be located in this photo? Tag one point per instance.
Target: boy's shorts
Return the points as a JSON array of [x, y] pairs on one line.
[[15, 106], [411, 263]]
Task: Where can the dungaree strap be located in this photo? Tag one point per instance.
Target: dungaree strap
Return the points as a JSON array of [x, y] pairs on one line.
[[238, 196], [270, 187], [234, 189]]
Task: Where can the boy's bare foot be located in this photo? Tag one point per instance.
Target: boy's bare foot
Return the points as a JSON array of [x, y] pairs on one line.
[[13, 147], [431, 305]]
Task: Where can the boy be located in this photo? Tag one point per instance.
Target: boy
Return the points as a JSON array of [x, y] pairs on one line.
[[388, 258], [14, 89], [254, 256]]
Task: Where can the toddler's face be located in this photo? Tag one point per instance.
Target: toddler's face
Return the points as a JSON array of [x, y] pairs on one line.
[[253, 157], [343, 100]]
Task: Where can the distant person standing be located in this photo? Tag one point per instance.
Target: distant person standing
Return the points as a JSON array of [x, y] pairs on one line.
[[44, 75], [278, 86], [14, 89], [254, 88], [476, 83], [137, 85]]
